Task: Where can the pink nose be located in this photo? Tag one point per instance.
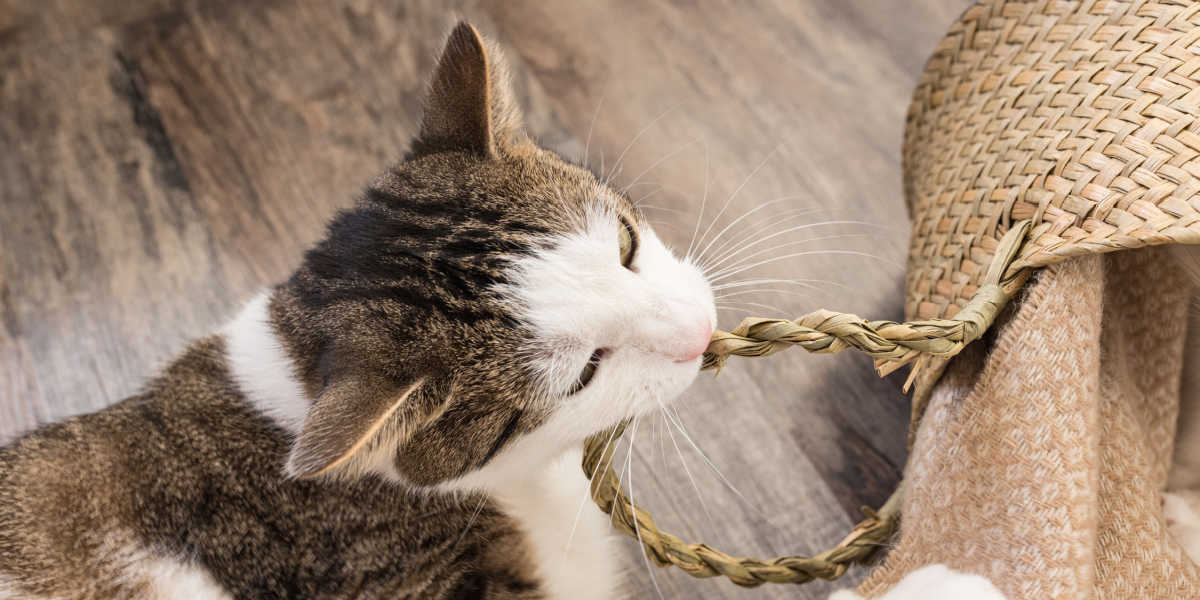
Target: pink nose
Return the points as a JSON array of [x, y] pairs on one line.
[[694, 342]]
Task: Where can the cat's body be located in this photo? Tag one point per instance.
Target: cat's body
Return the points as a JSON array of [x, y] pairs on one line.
[[402, 418], [187, 476]]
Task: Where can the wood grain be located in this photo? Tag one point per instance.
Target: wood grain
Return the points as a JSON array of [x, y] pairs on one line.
[[165, 159]]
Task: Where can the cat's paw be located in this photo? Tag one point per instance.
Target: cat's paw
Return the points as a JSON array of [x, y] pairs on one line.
[[1182, 512], [935, 582]]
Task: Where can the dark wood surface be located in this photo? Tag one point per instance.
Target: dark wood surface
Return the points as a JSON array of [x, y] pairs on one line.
[[162, 160]]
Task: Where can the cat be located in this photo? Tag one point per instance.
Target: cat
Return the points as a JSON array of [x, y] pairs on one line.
[[403, 416]]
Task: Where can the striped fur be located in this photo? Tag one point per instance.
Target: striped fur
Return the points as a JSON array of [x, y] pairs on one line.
[[373, 427]]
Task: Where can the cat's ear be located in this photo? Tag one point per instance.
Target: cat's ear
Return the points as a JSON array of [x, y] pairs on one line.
[[470, 104], [350, 420]]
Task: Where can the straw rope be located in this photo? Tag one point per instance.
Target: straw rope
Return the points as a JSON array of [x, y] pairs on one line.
[[1072, 126], [891, 344]]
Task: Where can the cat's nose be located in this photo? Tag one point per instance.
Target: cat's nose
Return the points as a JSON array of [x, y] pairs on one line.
[[694, 341]]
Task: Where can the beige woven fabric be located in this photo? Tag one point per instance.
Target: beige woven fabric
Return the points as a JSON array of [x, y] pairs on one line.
[[1043, 470]]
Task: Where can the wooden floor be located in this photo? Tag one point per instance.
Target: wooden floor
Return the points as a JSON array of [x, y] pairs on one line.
[[162, 160]]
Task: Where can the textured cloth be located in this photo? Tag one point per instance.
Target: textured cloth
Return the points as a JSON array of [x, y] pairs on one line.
[[1041, 464]]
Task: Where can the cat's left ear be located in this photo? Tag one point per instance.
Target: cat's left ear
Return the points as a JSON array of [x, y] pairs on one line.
[[470, 104], [351, 419]]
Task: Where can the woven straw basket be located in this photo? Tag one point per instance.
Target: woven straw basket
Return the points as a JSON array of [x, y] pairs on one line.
[[1039, 131]]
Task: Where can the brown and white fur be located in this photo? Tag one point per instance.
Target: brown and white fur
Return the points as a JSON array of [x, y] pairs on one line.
[[402, 417]]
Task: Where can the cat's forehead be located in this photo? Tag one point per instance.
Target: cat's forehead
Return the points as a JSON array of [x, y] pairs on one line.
[[537, 188]]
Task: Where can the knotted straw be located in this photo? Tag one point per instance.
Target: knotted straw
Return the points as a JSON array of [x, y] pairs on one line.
[[826, 332]]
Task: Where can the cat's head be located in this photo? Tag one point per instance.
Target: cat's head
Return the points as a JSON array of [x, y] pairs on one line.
[[485, 305]]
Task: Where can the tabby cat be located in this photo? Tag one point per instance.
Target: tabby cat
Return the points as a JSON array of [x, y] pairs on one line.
[[401, 418]]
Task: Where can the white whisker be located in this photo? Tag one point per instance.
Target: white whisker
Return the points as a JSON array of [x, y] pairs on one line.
[[765, 291], [704, 505], [736, 191], [774, 309], [795, 228], [588, 145], [617, 165], [776, 248], [735, 309], [806, 283], [637, 528], [729, 273], [675, 420], [662, 208], [588, 493], [660, 161], [699, 216], [745, 215], [470, 522], [756, 230]]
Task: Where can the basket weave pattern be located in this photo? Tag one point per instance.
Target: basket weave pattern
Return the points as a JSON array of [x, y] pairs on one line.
[[1080, 116], [1039, 131]]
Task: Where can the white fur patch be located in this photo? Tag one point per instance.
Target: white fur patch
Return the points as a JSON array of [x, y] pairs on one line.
[[582, 566], [651, 321], [164, 578], [1182, 513], [170, 580], [8, 591], [935, 582], [261, 367]]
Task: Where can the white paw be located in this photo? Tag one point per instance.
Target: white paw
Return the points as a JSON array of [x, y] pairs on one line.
[[1182, 512], [935, 582]]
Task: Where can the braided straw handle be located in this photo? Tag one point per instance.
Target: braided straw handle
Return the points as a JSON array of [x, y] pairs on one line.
[[891, 344]]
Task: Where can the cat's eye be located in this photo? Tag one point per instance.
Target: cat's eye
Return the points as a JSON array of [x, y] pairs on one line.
[[628, 242], [588, 372]]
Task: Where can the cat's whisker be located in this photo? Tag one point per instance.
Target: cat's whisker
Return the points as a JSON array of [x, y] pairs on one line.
[[662, 208], [765, 291], [660, 161], [687, 256], [639, 183], [757, 230], [470, 522], [736, 309], [587, 494], [755, 242], [603, 180], [777, 247], [806, 283], [770, 307], [637, 528], [743, 216], [617, 165], [730, 273], [661, 442], [591, 126], [663, 225], [675, 420], [736, 191], [703, 505], [774, 225]]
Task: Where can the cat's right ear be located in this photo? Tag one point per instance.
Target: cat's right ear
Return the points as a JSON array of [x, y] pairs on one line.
[[470, 105], [351, 420]]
